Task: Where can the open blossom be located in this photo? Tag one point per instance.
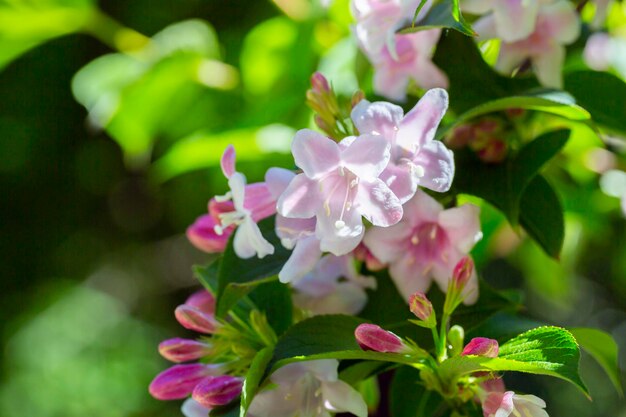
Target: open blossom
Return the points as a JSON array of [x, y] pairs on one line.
[[322, 291], [338, 186], [557, 25], [513, 19], [427, 243], [416, 158], [310, 389], [251, 203], [505, 404]]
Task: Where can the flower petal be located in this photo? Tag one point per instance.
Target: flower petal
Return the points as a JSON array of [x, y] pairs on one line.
[[342, 397], [485, 27], [399, 178], [388, 243], [192, 408], [347, 298], [249, 241], [302, 260], [420, 124], [377, 203], [390, 83], [511, 56], [462, 225], [323, 369], [437, 163], [561, 21], [277, 180], [548, 66], [339, 240], [227, 162], [409, 277], [301, 199], [421, 208], [367, 156], [237, 183], [477, 6], [314, 153], [515, 19], [378, 118]]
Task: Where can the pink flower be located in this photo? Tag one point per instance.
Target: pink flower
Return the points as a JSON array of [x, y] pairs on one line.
[[373, 337], [557, 25], [179, 381], [251, 203], [203, 236], [416, 159], [427, 243], [217, 390], [411, 60], [513, 19], [332, 287], [481, 346], [598, 52], [183, 350], [202, 300], [362, 253], [339, 185], [505, 404], [421, 306]]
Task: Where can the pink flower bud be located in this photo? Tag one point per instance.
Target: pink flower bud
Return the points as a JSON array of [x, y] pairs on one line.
[[319, 83], [462, 272], [373, 337], [179, 381], [193, 319], [203, 301], [494, 151], [460, 136], [363, 254], [421, 306], [183, 350], [202, 234], [481, 346], [217, 390]]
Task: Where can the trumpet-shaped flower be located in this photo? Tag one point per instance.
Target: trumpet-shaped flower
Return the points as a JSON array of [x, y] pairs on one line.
[[251, 203], [505, 404], [333, 287], [309, 389], [557, 25], [427, 243], [338, 186], [416, 158]]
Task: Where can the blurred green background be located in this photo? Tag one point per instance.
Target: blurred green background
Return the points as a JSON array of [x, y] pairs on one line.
[[113, 117]]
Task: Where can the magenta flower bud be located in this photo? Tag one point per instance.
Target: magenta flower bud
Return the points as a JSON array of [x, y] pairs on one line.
[[373, 337], [481, 346], [193, 319], [203, 301], [179, 381], [494, 152], [202, 234], [183, 350], [462, 272], [319, 83], [421, 306], [217, 390]]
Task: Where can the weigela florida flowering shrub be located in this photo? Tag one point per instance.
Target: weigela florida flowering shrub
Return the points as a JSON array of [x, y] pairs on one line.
[[320, 262]]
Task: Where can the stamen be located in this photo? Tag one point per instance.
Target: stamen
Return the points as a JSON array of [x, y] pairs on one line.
[[433, 232], [327, 208], [418, 171], [318, 392], [354, 182], [340, 224], [218, 229], [427, 269], [222, 198], [415, 239], [342, 172]]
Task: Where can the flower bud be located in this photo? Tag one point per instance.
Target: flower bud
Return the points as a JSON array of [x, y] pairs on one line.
[[456, 335], [319, 83], [183, 350], [494, 152], [203, 300], [217, 390], [193, 319], [357, 97], [421, 306], [462, 272], [481, 346], [179, 381], [363, 254], [373, 337]]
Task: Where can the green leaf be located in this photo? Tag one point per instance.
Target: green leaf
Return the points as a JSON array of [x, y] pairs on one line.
[[409, 398], [363, 370], [274, 300], [602, 94], [445, 14], [602, 347], [545, 351], [207, 275], [254, 378], [326, 337], [512, 188], [238, 277], [541, 215]]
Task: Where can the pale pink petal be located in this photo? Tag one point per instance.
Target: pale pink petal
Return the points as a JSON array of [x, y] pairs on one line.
[[228, 161], [274, 402], [291, 230], [388, 243], [498, 404], [462, 225], [485, 27], [409, 277], [192, 408], [340, 240], [477, 6], [548, 66], [529, 400], [399, 178], [421, 208], [289, 374], [375, 201], [367, 156], [301, 199], [428, 75], [259, 201], [237, 183], [511, 56], [249, 241], [277, 180], [346, 298], [597, 52], [302, 260], [341, 397], [390, 83], [203, 236], [515, 19], [560, 21], [470, 292], [314, 153], [437, 162], [378, 118], [420, 124]]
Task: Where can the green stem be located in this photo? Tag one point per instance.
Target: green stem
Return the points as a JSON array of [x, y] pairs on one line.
[[112, 33], [441, 347]]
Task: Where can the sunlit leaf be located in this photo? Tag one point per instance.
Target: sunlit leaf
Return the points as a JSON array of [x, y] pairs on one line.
[[445, 14], [253, 378], [603, 348]]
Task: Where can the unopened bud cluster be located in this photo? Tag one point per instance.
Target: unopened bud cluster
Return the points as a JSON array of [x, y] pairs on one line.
[[487, 137]]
